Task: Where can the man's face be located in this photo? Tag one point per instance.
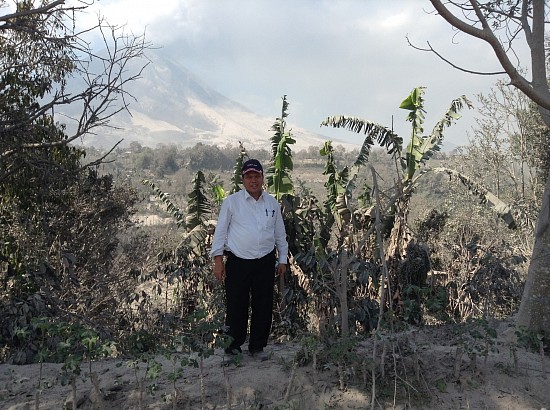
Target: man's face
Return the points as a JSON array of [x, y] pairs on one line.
[[253, 182]]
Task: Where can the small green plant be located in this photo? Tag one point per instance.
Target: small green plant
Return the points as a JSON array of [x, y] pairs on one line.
[[479, 340], [343, 353], [152, 371], [529, 339], [71, 344], [484, 333], [93, 347], [175, 374], [67, 343], [441, 385], [311, 346], [199, 337], [437, 301], [41, 326], [139, 342]]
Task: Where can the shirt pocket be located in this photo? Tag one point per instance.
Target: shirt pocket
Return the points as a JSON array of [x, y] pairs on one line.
[[271, 217]]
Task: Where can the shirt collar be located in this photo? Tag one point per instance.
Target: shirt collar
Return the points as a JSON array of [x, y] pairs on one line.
[[247, 195]]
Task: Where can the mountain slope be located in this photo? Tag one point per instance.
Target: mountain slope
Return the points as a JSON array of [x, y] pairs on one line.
[[175, 107]]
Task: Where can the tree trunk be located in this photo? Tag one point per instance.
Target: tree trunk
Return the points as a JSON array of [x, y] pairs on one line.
[[340, 275], [534, 311], [399, 239], [343, 297]]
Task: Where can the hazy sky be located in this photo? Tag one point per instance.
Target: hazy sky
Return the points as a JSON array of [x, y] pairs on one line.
[[329, 57]]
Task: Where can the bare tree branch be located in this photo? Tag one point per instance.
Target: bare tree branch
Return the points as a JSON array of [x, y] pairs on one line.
[[432, 50], [41, 49], [37, 11], [101, 160], [533, 89]]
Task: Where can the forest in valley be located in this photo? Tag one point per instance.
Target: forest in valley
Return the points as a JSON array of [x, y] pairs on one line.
[[105, 252]]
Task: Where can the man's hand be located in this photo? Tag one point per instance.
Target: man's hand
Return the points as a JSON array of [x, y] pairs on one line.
[[219, 268], [281, 269]]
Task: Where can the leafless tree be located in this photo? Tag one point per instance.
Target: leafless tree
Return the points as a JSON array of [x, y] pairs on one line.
[[44, 58]]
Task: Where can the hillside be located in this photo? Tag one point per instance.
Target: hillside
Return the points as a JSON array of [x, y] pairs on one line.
[[507, 377], [174, 106]]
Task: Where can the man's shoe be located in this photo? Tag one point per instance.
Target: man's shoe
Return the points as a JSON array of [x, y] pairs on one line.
[[235, 351], [259, 354]]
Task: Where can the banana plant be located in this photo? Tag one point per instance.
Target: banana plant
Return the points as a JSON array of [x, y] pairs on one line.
[[502, 209], [336, 204], [421, 148], [374, 134], [199, 213], [218, 193], [418, 151], [279, 181]]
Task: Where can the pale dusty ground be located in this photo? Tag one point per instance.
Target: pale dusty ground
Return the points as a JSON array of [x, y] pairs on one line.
[[500, 383]]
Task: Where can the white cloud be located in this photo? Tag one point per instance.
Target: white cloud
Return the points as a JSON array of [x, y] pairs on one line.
[[345, 57], [136, 14], [393, 22]]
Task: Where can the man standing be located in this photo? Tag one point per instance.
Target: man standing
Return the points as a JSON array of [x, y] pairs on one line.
[[249, 228]]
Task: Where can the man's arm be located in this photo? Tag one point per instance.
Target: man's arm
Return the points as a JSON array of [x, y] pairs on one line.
[[280, 238], [219, 240]]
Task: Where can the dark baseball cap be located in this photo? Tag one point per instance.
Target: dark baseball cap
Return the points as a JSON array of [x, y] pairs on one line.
[[252, 165]]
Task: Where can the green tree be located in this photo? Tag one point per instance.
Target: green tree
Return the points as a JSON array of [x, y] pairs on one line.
[[203, 156], [144, 159], [59, 219], [166, 160]]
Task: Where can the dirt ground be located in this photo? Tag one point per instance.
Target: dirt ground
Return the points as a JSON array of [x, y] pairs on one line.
[[436, 370]]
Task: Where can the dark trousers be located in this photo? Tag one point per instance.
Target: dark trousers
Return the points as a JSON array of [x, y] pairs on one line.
[[249, 283]]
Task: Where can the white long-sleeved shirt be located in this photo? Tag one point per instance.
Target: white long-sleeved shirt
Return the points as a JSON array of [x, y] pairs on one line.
[[250, 229]]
